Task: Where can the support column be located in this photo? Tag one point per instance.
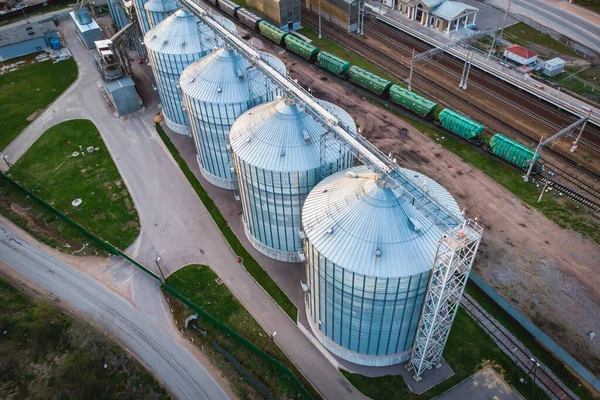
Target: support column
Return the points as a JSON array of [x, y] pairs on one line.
[[448, 23], [474, 17]]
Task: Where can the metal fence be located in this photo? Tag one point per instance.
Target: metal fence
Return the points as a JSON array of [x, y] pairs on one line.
[[537, 333], [282, 370]]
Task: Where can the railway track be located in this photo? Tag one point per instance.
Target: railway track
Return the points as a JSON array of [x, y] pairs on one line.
[[453, 100], [544, 113], [523, 357]]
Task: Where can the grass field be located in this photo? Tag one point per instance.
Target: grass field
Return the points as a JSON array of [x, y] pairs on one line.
[[19, 95], [468, 349], [198, 283], [50, 171], [545, 45], [251, 265], [46, 355]]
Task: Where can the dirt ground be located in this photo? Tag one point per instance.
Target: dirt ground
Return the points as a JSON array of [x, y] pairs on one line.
[[546, 272]]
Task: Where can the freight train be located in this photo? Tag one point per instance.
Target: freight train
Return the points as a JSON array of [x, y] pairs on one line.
[[502, 146]]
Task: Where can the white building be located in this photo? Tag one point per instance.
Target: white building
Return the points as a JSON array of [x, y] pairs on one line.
[[444, 16], [520, 55], [554, 66]]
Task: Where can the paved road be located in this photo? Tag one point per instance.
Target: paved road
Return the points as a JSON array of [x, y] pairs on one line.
[[175, 223], [157, 347], [579, 25]]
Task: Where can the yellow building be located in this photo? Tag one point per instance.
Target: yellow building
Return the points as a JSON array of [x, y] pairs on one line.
[[282, 13], [344, 13]]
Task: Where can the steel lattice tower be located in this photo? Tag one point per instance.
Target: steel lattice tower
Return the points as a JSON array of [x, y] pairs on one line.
[[451, 268]]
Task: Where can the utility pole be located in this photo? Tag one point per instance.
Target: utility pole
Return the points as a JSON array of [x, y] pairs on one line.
[[412, 66], [466, 69], [362, 28], [534, 366], [580, 132], [501, 29], [320, 19], [160, 269]]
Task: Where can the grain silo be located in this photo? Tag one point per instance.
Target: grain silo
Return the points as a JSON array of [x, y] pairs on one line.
[[277, 157], [218, 89], [140, 13], [368, 254], [172, 45], [158, 10]]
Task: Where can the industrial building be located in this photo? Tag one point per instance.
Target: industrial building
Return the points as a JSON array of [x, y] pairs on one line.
[[141, 15], [122, 95], [369, 254], [158, 10], [87, 29], [172, 45], [554, 66], [277, 156], [217, 89], [283, 13], [117, 14], [442, 15], [345, 13], [26, 39]]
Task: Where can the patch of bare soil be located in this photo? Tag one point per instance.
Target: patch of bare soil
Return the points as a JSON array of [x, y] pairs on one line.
[[35, 114], [548, 273]]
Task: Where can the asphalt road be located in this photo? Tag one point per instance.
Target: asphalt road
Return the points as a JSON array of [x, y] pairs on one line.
[[560, 18], [174, 222], [157, 347]]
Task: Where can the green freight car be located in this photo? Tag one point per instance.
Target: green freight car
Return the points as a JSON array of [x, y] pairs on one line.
[[300, 47], [369, 80], [272, 32], [460, 124], [334, 64], [512, 151], [417, 104]]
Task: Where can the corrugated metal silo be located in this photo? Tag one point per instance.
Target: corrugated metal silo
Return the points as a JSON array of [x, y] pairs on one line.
[[158, 10], [369, 254], [277, 157], [140, 13], [172, 45], [217, 90]]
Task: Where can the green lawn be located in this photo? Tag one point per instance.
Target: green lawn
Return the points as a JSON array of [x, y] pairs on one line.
[[593, 5], [525, 35], [19, 95], [251, 265], [46, 355], [198, 283], [50, 171], [468, 349], [533, 345]]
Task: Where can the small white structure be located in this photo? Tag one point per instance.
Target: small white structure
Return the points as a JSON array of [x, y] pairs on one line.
[[520, 55], [554, 66]]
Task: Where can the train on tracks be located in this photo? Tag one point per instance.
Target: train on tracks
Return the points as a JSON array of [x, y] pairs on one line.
[[500, 145]]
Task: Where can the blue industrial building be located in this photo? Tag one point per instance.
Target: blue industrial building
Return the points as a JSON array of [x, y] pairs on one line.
[[86, 27], [26, 39]]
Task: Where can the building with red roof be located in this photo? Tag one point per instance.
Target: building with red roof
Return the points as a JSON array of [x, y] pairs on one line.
[[520, 55]]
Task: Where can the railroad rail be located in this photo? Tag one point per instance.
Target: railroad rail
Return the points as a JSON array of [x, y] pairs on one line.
[[430, 88], [539, 111], [521, 355]]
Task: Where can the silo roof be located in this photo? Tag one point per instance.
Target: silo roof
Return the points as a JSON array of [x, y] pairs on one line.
[[360, 223], [274, 62], [161, 5], [222, 77], [180, 33], [278, 136], [341, 114]]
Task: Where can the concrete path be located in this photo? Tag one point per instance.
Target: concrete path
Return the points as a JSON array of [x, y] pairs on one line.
[[158, 348], [175, 224], [567, 19], [485, 384]]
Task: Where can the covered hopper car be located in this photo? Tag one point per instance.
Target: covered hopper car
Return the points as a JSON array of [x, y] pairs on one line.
[[418, 104], [460, 125], [300, 47], [513, 151], [369, 80], [333, 64], [247, 18], [272, 32], [229, 7]]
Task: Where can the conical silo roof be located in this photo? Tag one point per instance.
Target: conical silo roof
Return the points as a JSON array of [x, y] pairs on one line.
[[180, 33], [222, 77], [160, 6], [341, 114], [274, 62], [360, 223], [279, 136]]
